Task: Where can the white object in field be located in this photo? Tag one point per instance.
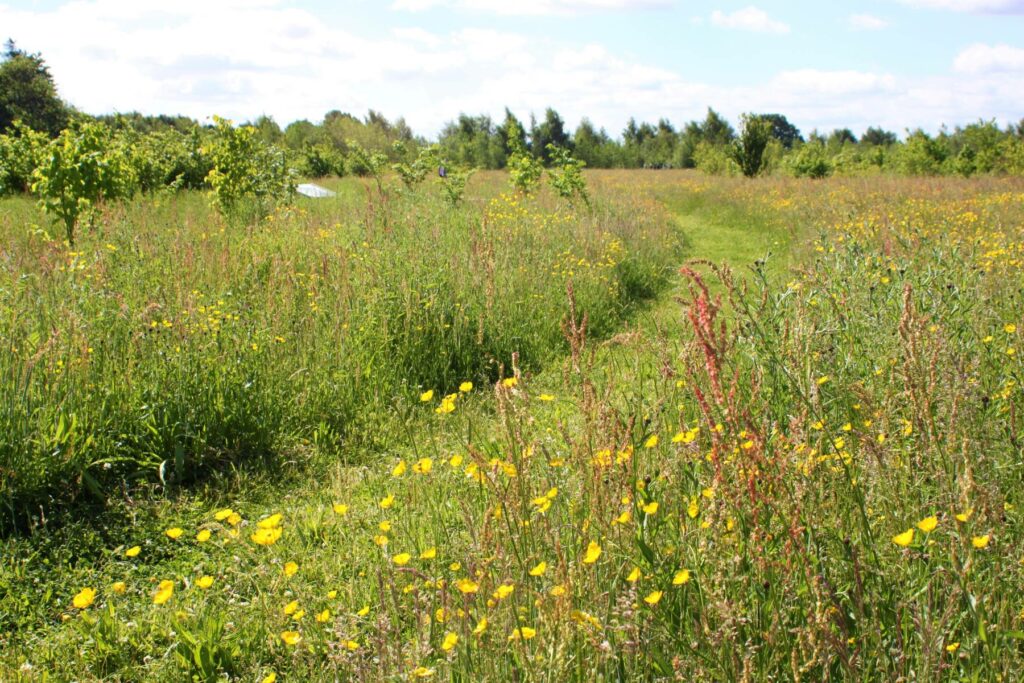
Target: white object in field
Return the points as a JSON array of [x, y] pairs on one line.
[[315, 191]]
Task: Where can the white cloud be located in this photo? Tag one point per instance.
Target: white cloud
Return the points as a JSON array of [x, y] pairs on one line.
[[975, 6], [981, 58], [866, 22], [748, 19], [531, 7], [119, 55]]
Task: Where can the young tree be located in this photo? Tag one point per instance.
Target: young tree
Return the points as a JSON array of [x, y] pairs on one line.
[[28, 93], [748, 150], [551, 131]]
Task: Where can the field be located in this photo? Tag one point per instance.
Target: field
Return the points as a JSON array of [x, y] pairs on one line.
[[707, 429]]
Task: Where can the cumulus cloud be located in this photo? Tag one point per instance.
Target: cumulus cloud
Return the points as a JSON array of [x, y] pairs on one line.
[[981, 58], [531, 7], [866, 22], [975, 6], [119, 55], [748, 19]]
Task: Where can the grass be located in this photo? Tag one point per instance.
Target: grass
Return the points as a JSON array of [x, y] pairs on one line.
[[803, 468]]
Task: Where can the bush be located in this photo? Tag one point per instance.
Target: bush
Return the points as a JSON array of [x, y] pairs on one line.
[[810, 161], [245, 168]]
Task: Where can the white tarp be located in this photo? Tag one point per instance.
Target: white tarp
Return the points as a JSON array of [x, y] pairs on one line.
[[315, 191]]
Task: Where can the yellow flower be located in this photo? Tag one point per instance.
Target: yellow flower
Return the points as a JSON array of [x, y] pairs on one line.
[[481, 626], [119, 587], [682, 576], [539, 569], [291, 607], [652, 441], [427, 395], [904, 539], [384, 526], [467, 585], [822, 379], [203, 536], [928, 524], [423, 466], [558, 591], [401, 559], [223, 514], [387, 502], [270, 678], [952, 647], [623, 518], [450, 640], [163, 592], [509, 382], [399, 469], [133, 551], [692, 510], [324, 616], [266, 536], [271, 522], [340, 509], [204, 582], [363, 611], [85, 597], [174, 532], [524, 632], [456, 460], [290, 568], [980, 542], [651, 507], [381, 540], [351, 645], [504, 590], [634, 575], [422, 672], [291, 637], [593, 552], [466, 387], [234, 519], [428, 554], [964, 516], [332, 594], [1009, 328], [653, 598], [546, 397]]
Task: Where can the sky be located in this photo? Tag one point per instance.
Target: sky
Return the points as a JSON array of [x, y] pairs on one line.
[[900, 64]]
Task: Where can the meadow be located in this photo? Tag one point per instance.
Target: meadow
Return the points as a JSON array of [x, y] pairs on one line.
[[706, 429]]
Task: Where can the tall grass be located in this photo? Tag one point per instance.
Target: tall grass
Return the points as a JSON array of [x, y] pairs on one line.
[[170, 342]]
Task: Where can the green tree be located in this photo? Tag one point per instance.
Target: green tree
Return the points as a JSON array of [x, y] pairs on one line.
[[566, 175], [21, 151], [245, 169], [28, 93], [550, 131], [748, 150], [782, 130]]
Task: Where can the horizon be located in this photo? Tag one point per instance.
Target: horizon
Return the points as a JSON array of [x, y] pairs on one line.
[[899, 65]]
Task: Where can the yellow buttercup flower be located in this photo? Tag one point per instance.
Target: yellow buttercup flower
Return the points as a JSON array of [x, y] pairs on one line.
[[467, 585], [291, 608], [291, 637], [428, 554], [223, 514], [84, 598], [652, 441], [904, 539], [450, 640], [504, 590], [270, 678], [174, 532], [401, 559], [133, 551], [340, 509], [266, 536], [539, 569], [271, 522], [523, 632], [651, 507], [427, 395], [466, 387], [387, 502], [203, 536], [119, 587], [980, 542], [682, 576], [928, 524], [634, 575], [163, 592], [481, 626], [290, 568], [593, 552], [204, 582], [399, 469], [324, 617], [653, 598]]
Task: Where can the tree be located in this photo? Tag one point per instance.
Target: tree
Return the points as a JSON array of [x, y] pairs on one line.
[[841, 136], [782, 130], [28, 93], [878, 137], [716, 130], [551, 131], [512, 133], [748, 150]]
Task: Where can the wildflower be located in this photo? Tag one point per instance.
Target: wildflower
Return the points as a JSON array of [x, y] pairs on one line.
[[952, 647], [481, 626], [634, 575], [234, 519], [509, 382], [427, 395], [539, 569], [653, 598], [692, 510], [291, 608], [423, 672], [455, 461], [652, 441], [119, 587], [524, 632], [271, 522], [593, 552], [387, 502], [546, 397], [399, 469], [964, 516], [363, 611], [266, 536], [291, 637], [980, 542], [450, 640], [340, 509], [332, 594], [904, 539], [323, 617], [651, 507], [504, 590], [163, 592], [928, 524], [203, 536], [351, 645], [133, 551], [290, 568], [204, 582], [682, 577], [428, 554], [380, 540], [270, 678], [423, 466], [85, 597], [174, 533], [384, 526], [401, 559], [223, 514], [1009, 328], [623, 518], [823, 379], [467, 585], [466, 387], [558, 591]]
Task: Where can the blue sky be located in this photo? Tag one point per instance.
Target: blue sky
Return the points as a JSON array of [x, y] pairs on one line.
[[896, 63]]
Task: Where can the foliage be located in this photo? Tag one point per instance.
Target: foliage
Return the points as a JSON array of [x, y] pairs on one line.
[[363, 163], [28, 93], [714, 159], [21, 152], [748, 150], [245, 169], [810, 161], [566, 175], [80, 169], [524, 169]]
